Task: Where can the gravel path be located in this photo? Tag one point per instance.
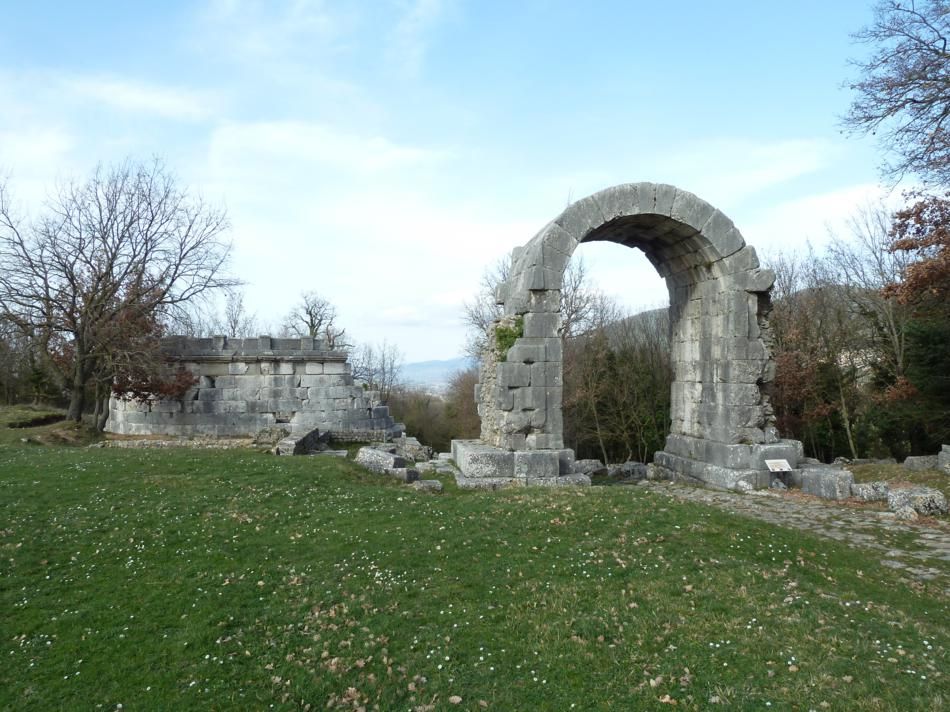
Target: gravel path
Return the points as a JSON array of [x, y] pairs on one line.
[[921, 549]]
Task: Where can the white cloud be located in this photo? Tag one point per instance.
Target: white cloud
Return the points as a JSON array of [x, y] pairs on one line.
[[793, 224], [729, 171], [31, 159], [128, 95], [253, 148]]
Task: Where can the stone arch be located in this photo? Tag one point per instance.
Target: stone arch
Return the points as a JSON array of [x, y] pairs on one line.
[[722, 426]]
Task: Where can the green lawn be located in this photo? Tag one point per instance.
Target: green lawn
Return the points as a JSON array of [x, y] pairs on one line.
[[176, 579]]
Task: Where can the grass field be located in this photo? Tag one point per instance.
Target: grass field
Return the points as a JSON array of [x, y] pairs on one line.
[[179, 579]]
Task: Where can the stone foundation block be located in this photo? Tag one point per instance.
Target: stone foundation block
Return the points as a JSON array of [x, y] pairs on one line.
[[476, 459], [827, 483], [536, 464]]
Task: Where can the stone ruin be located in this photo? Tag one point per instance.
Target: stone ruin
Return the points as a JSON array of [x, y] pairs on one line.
[[722, 425], [248, 385]]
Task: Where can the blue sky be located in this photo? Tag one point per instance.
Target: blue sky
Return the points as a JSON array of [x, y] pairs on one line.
[[385, 153]]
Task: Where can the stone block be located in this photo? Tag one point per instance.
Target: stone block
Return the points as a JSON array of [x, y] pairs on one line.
[[538, 373], [565, 460], [544, 441], [785, 450], [741, 261], [225, 381], [589, 467], [504, 398], [690, 210], [542, 325], [284, 393], [517, 421], [379, 460], [580, 218], [476, 459], [211, 368], [513, 375], [313, 368], [544, 301], [620, 200], [537, 418], [525, 352], [220, 407], [554, 238], [943, 459], [553, 259], [237, 368], [167, 406], [336, 367], [529, 398], [869, 491], [921, 462], [664, 198], [536, 464], [734, 457], [827, 483]]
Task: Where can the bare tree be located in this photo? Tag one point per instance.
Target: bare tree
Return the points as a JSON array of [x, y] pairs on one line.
[[379, 366], [865, 264], [581, 305], [903, 93], [315, 316], [234, 320], [126, 246]]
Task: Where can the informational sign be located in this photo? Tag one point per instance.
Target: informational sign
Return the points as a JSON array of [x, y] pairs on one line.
[[778, 465]]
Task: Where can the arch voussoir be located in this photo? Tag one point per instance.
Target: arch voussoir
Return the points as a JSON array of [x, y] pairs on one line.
[[722, 425]]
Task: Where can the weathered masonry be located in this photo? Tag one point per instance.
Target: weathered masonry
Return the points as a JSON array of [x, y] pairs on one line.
[[723, 427], [245, 385]]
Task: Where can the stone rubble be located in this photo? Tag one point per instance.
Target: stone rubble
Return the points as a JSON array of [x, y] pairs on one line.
[[591, 468], [926, 501]]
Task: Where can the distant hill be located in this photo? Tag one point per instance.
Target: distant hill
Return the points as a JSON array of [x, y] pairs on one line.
[[434, 375]]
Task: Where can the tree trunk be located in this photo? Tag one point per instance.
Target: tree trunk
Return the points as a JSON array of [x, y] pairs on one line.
[[77, 395], [103, 417], [846, 417]]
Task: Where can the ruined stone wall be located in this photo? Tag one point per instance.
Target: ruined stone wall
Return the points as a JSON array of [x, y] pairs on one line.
[[245, 385]]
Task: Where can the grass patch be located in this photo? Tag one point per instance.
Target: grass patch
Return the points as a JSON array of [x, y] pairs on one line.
[[179, 579]]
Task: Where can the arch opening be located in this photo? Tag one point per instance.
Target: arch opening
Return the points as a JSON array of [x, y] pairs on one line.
[[722, 428]]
